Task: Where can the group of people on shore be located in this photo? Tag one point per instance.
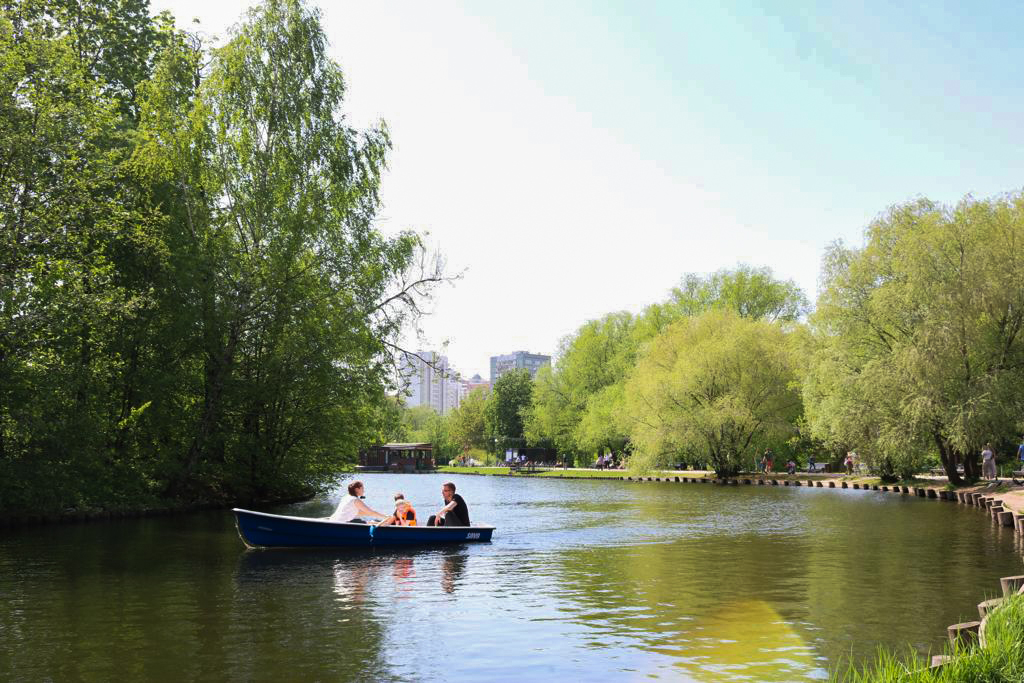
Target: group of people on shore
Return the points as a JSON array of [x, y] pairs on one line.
[[351, 508]]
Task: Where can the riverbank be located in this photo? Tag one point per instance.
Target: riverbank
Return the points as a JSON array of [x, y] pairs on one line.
[[151, 509], [993, 653], [997, 497]]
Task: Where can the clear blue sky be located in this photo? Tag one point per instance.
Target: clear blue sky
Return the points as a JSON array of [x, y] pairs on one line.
[[578, 158]]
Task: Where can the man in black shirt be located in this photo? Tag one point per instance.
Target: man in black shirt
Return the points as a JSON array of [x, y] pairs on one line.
[[455, 511]]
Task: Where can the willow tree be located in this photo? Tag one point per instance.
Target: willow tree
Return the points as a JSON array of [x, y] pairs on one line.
[[577, 404], [712, 389], [751, 292], [919, 335]]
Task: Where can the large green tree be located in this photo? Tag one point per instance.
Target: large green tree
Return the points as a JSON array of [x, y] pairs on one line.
[[296, 297], [467, 424], [751, 292], [919, 335], [714, 389], [78, 253], [576, 403], [194, 302], [505, 408]]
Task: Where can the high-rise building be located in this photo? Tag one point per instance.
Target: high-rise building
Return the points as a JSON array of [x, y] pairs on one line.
[[428, 380], [515, 360]]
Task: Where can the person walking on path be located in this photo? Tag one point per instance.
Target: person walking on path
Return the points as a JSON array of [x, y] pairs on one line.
[[988, 463]]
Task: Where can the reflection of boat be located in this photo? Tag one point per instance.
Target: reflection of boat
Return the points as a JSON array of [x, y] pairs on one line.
[[263, 529]]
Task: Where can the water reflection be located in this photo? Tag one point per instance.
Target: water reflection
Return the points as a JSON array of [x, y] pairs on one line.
[[585, 580]]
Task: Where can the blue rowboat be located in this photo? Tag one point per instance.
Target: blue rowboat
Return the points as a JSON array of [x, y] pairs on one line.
[[264, 530]]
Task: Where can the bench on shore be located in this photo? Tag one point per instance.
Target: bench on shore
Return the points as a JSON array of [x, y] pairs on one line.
[[526, 468]]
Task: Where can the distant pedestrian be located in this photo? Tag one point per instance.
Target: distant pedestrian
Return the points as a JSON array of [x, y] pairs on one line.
[[988, 463], [849, 462], [791, 467], [810, 463], [1020, 452]]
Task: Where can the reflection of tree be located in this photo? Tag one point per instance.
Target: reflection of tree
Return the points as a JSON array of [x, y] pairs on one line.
[[900, 571], [692, 600], [780, 573], [320, 604]]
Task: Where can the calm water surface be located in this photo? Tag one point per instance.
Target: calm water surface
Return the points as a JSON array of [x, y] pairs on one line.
[[588, 580]]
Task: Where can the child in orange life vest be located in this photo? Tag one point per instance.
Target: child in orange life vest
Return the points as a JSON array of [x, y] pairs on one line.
[[404, 514]]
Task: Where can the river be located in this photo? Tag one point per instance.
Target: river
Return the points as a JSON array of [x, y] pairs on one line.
[[585, 579]]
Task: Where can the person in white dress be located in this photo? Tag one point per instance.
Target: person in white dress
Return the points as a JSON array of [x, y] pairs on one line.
[[352, 506]]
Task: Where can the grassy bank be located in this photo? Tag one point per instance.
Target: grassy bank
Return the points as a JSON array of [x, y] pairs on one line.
[[548, 473], [1001, 659]]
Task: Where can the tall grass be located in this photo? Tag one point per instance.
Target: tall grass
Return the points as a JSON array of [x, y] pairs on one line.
[[1001, 660]]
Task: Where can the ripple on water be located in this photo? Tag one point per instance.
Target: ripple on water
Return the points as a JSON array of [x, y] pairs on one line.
[[584, 580]]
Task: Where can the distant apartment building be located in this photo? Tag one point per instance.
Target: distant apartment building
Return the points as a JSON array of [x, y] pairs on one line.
[[516, 360], [429, 380]]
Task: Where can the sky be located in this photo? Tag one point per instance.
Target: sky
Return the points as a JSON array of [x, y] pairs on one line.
[[573, 159]]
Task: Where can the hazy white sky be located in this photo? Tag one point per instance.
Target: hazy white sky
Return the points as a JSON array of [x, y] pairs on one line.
[[579, 158]]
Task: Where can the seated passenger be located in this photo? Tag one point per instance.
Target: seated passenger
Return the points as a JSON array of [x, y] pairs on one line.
[[455, 511], [404, 514], [351, 506]]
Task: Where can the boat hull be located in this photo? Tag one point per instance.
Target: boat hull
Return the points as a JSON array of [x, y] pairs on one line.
[[264, 530]]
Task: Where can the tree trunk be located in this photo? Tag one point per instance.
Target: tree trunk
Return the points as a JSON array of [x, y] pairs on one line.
[[972, 468], [950, 459]]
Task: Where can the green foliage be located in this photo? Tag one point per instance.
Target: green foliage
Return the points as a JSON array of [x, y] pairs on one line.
[[572, 400], [424, 425], [578, 404], [503, 413], [193, 300], [715, 388], [466, 423], [750, 292], [918, 345]]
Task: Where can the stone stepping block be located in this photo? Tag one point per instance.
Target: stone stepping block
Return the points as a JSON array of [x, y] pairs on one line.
[[932, 493], [985, 608], [964, 635], [1011, 585], [831, 484]]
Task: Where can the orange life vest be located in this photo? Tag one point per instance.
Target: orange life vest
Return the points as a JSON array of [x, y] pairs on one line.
[[406, 517]]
